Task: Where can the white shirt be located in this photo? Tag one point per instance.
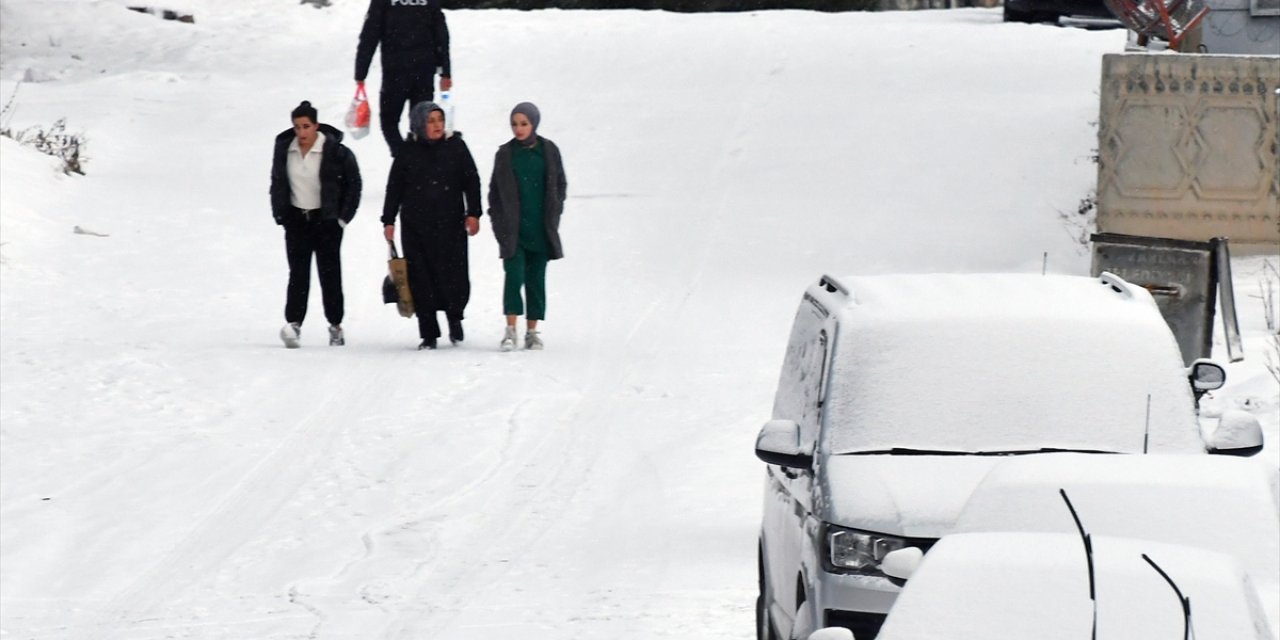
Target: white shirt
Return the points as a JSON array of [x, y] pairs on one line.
[[304, 173]]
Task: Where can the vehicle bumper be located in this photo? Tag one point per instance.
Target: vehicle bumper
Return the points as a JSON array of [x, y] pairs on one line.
[[858, 603]]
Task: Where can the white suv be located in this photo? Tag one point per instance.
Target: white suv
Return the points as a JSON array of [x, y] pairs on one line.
[[899, 393]]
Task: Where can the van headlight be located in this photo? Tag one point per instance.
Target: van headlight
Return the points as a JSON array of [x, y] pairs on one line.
[[853, 551]]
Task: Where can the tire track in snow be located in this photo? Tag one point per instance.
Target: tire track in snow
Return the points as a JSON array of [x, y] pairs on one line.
[[257, 496], [513, 495], [375, 574], [375, 583], [548, 474]]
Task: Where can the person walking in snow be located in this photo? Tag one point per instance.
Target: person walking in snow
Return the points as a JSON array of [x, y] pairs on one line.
[[435, 188], [315, 191], [526, 198], [415, 47]]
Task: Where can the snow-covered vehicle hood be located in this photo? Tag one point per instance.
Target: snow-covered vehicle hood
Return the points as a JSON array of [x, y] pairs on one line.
[[917, 496], [1226, 503], [1007, 586]]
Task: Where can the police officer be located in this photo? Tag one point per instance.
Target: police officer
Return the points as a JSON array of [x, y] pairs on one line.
[[415, 47]]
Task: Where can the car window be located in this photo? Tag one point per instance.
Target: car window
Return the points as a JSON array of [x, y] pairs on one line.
[[799, 390]]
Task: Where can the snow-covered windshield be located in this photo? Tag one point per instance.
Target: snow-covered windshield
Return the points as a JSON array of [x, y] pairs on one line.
[[1057, 368]]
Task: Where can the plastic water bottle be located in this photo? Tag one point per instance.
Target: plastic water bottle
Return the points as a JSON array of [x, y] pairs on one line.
[[447, 105]]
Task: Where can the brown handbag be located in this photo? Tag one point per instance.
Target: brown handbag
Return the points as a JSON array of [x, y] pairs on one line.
[[399, 279]]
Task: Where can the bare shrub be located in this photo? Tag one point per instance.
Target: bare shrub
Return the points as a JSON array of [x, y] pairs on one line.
[[54, 141], [1271, 309], [1081, 223], [1267, 293], [57, 142], [1273, 356]]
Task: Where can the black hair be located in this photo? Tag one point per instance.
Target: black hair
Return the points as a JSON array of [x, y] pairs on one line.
[[305, 110]]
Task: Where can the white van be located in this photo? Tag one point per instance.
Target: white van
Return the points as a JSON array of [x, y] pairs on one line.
[[899, 393]]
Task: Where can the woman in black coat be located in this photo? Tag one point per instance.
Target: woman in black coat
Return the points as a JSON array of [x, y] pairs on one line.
[[435, 188], [315, 190]]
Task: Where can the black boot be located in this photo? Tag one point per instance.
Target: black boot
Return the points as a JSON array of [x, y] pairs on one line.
[[428, 343], [455, 331]]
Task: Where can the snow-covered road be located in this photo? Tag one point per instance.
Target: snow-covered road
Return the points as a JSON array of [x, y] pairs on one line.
[[170, 471]]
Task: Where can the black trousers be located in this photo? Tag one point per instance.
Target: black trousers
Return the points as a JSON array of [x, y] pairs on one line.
[[439, 280], [429, 323], [397, 89], [302, 239]]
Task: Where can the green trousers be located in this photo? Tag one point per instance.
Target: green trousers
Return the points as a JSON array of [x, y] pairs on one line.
[[528, 271]]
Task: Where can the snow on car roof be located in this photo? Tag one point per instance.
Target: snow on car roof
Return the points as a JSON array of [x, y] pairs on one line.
[[965, 362], [997, 294], [1224, 502], [1013, 586]]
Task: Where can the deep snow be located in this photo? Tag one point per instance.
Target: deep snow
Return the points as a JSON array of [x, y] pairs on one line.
[[168, 470]]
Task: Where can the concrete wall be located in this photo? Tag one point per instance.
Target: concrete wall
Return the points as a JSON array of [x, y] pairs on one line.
[[1189, 148]]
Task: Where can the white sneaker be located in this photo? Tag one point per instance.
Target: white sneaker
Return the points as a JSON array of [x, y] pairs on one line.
[[508, 339], [290, 334], [533, 340], [336, 338]]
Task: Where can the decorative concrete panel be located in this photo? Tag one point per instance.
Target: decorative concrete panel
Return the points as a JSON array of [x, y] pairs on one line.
[[1189, 148], [1224, 168], [1150, 142]]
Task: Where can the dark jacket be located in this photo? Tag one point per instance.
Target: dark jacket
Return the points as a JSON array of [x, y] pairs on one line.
[[340, 182], [434, 186], [413, 34], [504, 200]]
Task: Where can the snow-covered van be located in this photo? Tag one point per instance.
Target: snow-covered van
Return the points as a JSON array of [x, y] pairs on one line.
[[898, 393]]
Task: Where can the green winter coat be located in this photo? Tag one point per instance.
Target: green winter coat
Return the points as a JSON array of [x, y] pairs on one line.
[[530, 166]]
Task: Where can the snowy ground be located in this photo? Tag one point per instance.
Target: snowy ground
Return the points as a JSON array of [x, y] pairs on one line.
[[170, 471]]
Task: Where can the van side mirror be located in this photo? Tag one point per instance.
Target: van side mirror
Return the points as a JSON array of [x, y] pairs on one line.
[[1206, 375], [1237, 434], [901, 563], [779, 443], [832, 633]]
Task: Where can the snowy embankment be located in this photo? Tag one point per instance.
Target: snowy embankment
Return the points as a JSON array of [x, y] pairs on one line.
[[168, 470]]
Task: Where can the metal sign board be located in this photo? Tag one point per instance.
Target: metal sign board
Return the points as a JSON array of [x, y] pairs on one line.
[[1180, 275]]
